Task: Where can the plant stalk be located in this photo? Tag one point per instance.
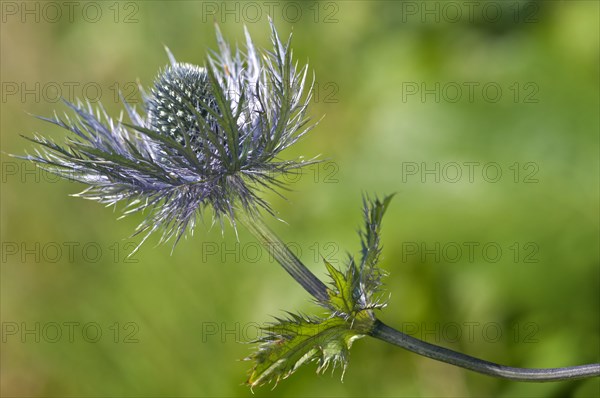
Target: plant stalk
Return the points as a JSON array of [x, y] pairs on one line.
[[282, 253], [383, 332]]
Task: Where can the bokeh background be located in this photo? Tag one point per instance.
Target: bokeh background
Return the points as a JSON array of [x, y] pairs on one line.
[[412, 93]]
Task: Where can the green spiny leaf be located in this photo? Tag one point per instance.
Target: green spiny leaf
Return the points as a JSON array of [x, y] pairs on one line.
[[341, 298], [370, 274], [292, 342]]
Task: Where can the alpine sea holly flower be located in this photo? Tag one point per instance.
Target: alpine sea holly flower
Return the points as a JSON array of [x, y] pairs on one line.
[[209, 137]]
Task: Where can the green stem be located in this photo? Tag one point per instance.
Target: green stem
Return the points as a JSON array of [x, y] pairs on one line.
[[383, 332], [288, 260]]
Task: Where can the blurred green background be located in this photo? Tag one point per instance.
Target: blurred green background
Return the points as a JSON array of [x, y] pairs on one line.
[[412, 93]]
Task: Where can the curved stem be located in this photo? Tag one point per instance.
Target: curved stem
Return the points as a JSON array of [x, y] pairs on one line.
[[288, 260], [393, 336]]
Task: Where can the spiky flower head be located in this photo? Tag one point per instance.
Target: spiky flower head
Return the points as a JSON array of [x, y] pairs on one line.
[[177, 101], [208, 137]]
